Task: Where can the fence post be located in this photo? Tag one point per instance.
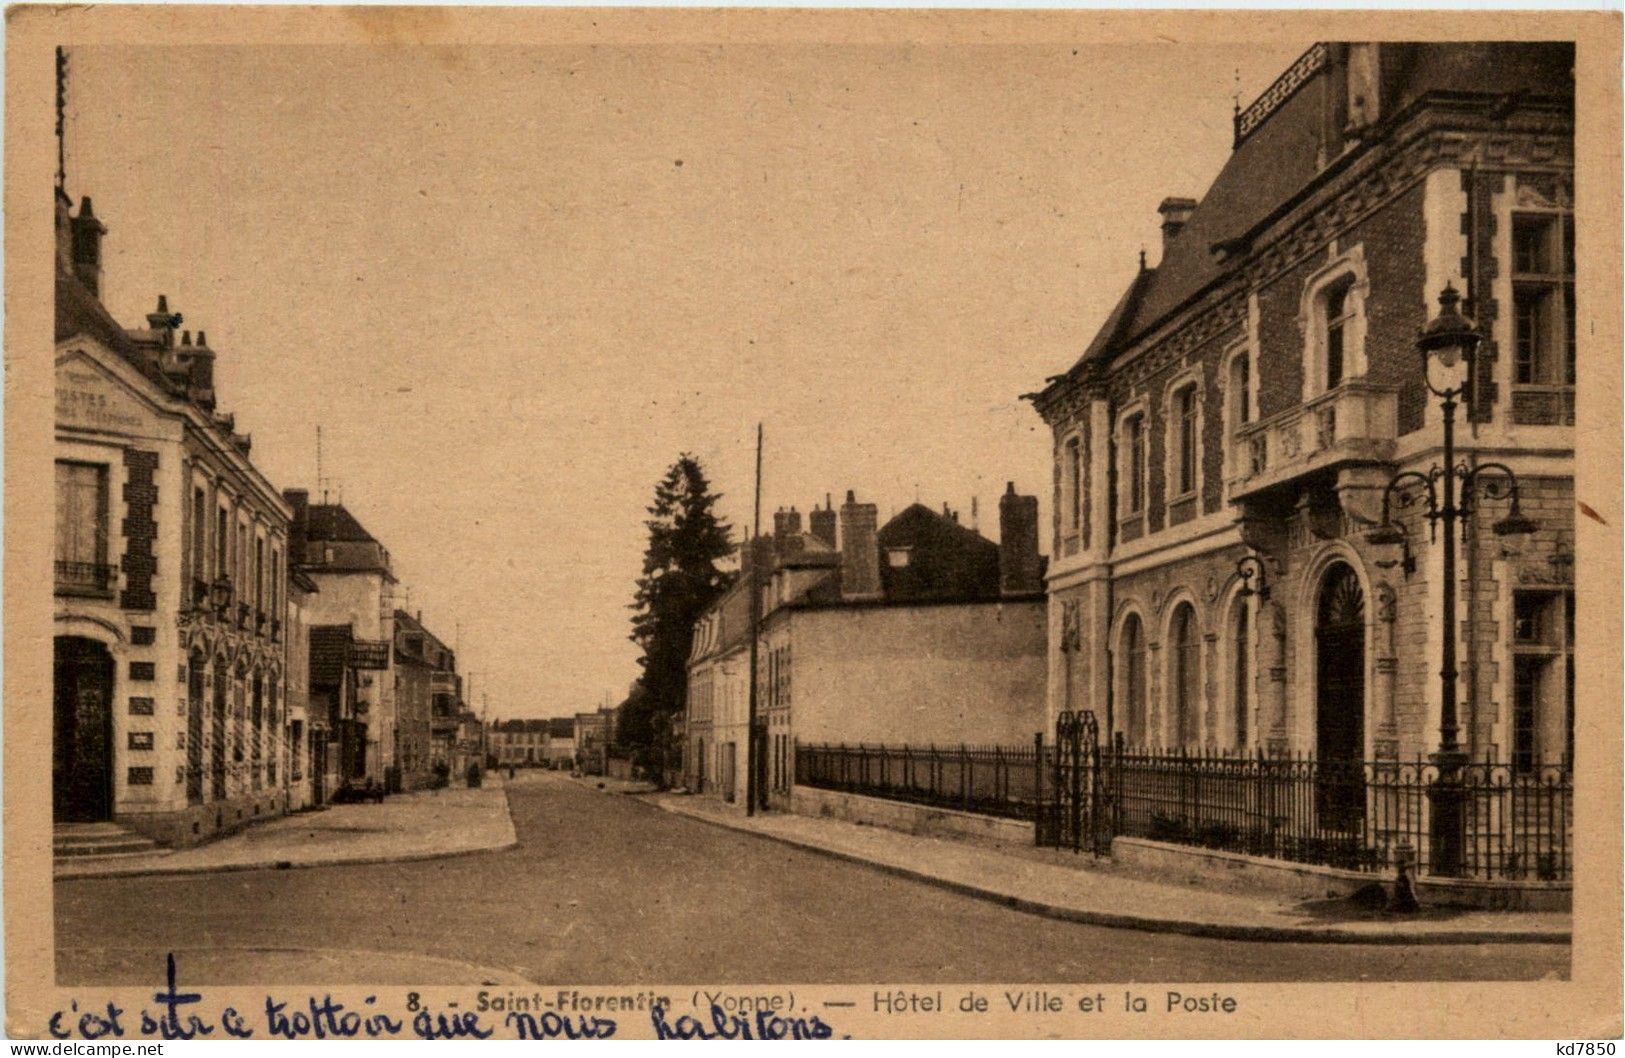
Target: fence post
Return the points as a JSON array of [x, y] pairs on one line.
[[1038, 787]]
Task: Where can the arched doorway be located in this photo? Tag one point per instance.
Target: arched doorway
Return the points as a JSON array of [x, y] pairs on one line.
[[1340, 698], [82, 748]]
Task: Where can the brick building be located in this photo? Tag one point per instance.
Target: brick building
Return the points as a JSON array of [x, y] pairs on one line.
[[171, 636], [1254, 393]]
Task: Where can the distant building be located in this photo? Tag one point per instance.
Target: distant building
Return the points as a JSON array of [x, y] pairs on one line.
[[355, 582], [520, 743], [592, 734], [920, 631], [171, 627], [337, 747], [422, 663], [301, 731]]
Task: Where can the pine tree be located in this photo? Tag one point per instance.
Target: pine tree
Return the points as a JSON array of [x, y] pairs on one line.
[[680, 582]]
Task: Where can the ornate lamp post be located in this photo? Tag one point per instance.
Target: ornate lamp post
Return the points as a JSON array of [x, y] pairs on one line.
[[1449, 348]]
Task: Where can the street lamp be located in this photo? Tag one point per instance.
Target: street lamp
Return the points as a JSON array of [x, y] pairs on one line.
[[1248, 567], [1449, 348]]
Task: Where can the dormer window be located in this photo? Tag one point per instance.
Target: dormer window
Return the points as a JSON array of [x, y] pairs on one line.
[[897, 557]]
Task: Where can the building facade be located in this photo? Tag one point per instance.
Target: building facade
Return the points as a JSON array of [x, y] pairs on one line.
[[1255, 392], [355, 589], [920, 631], [424, 667], [171, 629]]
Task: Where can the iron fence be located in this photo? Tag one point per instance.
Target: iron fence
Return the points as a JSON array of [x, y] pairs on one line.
[[1355, 815], [990, 780], [1518, 822]]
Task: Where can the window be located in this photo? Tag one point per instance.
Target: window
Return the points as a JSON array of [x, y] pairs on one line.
[[1338, 315], [1184, 440], [81, 528], [1071, 496], [1241, 395], [259, 575], [1543, 299], [897, 557], [1186, 666], [200, 533], [222, 540], [1133, 468], [1541, 726], [1133, 660]]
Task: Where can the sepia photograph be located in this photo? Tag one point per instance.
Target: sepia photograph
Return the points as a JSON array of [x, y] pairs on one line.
[[730, 525]]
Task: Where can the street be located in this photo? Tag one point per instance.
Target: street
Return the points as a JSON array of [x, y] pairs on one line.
[[606, 889]]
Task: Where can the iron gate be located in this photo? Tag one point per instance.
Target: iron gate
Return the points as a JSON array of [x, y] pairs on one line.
[[1073, 811]]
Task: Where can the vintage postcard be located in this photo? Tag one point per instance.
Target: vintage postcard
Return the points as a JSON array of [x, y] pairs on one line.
[[774, 524]]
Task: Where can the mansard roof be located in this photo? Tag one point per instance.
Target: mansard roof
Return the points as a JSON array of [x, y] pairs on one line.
[[1282, 156]]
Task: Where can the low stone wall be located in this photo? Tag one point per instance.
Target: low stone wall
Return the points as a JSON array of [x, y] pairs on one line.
[[925, 820], [206, 822], [1236, 872]]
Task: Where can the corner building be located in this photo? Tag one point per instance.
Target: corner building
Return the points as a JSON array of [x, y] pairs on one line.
[[1254, 393]]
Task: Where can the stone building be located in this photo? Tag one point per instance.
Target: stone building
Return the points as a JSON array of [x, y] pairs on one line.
[[918, 631], [171, 634], [1254, 392], [423, 664], [355, 589]]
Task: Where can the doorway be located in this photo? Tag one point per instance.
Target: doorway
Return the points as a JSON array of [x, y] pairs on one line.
[[1340, 700], [82, 747]]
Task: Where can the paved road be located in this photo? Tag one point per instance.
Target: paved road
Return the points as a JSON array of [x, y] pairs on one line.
[[606, 889]]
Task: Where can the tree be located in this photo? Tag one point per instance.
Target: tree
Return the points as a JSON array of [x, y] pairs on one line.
[[680, 582]]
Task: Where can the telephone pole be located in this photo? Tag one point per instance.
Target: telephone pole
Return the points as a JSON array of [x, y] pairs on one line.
[[752, 751]]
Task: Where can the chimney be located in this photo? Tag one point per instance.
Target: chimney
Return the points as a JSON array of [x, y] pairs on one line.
[[1175, 212], [822, 522], [200, 375], [786, 523], [161, 323], [860, 549], [87, 247], [1018, 543]]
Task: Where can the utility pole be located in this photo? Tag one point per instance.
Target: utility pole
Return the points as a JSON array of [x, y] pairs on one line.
[[752, 751]]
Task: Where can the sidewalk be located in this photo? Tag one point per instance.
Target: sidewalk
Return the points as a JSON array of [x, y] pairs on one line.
[[1078, 888], [424, 825]]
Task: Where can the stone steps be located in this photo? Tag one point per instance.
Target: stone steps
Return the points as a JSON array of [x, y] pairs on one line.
[[99, 839]]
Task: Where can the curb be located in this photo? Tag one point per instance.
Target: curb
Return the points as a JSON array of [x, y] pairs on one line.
[[1145, 923], [291, 865]]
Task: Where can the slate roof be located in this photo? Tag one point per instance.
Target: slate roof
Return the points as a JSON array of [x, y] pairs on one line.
[[1280, 159], [332, 521], [561, 726]]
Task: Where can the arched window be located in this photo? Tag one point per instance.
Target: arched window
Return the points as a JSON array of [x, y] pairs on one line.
[[1240, 386], [1184, 694], [1337, 315], [1132, 651], [1132, 470], [1184, 440]]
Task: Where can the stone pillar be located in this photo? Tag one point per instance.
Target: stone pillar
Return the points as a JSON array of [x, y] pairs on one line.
[[1272, 641], [1385, 740]]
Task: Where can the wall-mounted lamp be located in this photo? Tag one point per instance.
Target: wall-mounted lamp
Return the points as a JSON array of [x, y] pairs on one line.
[[1249, 567]]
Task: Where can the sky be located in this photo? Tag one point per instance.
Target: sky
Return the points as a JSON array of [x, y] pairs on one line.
[[512, 284]]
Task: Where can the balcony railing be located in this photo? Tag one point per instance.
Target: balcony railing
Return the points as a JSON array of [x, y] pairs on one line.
[[1356, 422], [85, 578]]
